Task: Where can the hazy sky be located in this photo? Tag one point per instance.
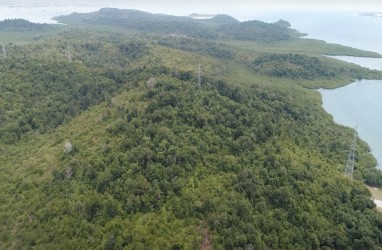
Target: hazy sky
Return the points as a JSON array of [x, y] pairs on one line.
[[213, 6]]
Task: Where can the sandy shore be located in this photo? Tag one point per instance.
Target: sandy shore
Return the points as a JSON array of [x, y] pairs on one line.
[[378, 203], [376, 196]]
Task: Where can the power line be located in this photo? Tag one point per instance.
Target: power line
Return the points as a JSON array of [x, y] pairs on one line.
[[200, 75], [4, 51], [349, 168], [69, 54]]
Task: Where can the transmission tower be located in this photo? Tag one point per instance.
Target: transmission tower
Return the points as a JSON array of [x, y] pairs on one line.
[[200, 75], [69, 54], [4, 51], [349, 169]]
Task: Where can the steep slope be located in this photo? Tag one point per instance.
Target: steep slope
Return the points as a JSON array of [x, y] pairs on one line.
[[132, 174], [156, 161]]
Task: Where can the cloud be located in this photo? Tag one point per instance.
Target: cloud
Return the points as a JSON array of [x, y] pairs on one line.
[[212, 6]]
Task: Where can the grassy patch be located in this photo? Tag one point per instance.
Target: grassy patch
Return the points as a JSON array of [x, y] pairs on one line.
[[307, 46], [376, 193]]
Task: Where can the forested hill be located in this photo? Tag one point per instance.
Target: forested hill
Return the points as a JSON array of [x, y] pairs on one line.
[[22, 25], [220, 26], [111, 139]]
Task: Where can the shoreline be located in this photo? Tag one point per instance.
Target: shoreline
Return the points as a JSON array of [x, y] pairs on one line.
[[338, 103], [376, 196]]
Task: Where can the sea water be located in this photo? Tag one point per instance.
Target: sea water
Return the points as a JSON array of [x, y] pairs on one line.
[[358, 104], [346, 28]]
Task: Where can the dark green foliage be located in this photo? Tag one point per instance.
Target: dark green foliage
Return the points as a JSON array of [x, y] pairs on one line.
[[91, 157], [312, 68], [255, 31], [21, 25], [373, 177], [198, 46], [222, 19], [295, 66], [142, 22], [42, 93], [219, 154], [220, 26]]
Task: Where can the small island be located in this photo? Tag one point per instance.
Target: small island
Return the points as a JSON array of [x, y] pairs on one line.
[[372, 14], [20, 25]]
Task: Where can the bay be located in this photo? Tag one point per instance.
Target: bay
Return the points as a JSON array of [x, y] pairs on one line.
[[345, 28], [358, 104]]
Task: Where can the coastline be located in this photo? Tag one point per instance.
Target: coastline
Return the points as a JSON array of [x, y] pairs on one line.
[[376, 194], [352, 106]]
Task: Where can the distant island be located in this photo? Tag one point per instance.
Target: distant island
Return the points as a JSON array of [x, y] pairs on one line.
[[22, 25], [217, 27], [373, 14]]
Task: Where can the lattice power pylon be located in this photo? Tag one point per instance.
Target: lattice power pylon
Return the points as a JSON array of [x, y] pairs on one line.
[[4, 51], [199, 75], [349, 169], [69, 54]]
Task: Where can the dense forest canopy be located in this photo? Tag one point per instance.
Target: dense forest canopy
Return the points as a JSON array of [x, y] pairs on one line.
[[115, 139], [220, 26], [21, 25]]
